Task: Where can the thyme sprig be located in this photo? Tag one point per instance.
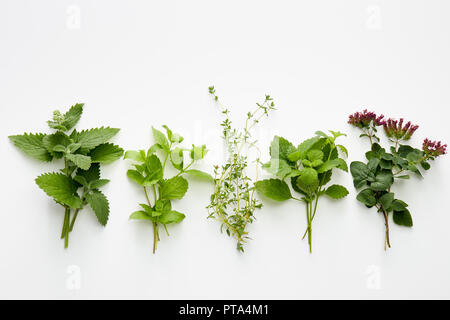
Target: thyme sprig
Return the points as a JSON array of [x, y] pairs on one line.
[[233, 202]]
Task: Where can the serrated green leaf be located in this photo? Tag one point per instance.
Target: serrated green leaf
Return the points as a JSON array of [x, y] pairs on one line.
[[57, 139], [99, 205], [173, 188], [278, 167], [89, 139], [274, 189], [61, 188], [81, 161], [97, 184], [106, 153], [314, 155], [92, 174], [68, 120], [200, 174], [32, 145], [308, 180], [306, 145], [336, 191], [280, 148]]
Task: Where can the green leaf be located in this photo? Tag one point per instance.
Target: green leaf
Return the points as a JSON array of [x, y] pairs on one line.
[[343, 149], [89, 139], [160, 139], [97, 184], [32, 145], [280, 148], [404, 150], [425, 165], [278, 167], [399, 205], [314, 154], [136, 176], [154, 170], [386, 200], [306, 145], [106, 153], [200, 174], [173, 188], [274, 189], [336, 191], [171, 217], [99, 205], [56, 140], [330, 164], [308, 180], [383, 180], [81, 161], [68, 120], [406, 176], [373, 164], [92, 174], [403, 218], [360, 173], [134, 155], [61, 188], [367, 196], [140, 215], [81, 180]]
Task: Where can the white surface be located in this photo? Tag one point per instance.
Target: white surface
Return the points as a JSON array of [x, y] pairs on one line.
[[141, 63]]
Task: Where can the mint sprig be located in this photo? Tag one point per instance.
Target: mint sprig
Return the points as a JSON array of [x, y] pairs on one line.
[[308, 169], [148, 172], [78, 183]]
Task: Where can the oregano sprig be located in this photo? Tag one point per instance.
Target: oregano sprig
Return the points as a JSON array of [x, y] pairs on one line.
[[383, 167], [233, 202], [148, 172], [308, 168], [78, 183]]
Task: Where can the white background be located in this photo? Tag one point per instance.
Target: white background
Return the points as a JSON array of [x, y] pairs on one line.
[[141, 63]]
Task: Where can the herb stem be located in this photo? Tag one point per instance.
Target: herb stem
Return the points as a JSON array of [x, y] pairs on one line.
[[73, 220]]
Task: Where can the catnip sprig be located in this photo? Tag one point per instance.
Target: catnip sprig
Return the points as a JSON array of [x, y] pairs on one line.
[[148, 172], [233, 202], [308, 168], [82, 154], [376, 177]]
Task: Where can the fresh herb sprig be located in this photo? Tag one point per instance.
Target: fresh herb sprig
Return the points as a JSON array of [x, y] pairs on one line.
[[82, 153], [383, 168], [308, 168], [148, 172], [233, 202]]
